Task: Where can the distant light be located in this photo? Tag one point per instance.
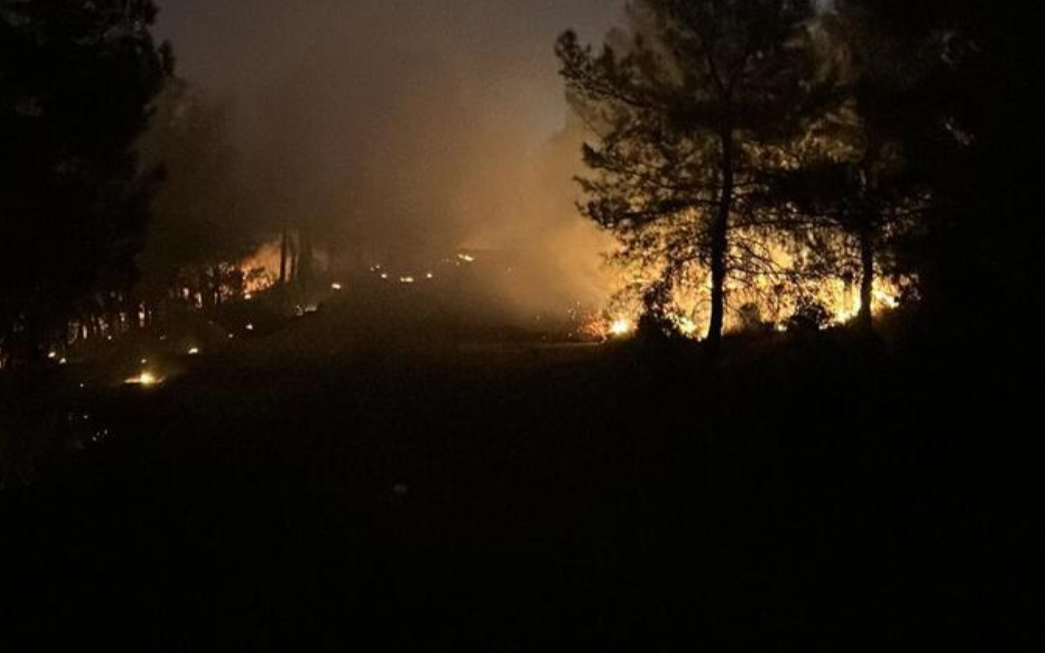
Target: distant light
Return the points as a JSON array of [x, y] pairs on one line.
[[407, 280], [163, 338], [232, 336], [384, 276], [430, 276], [248, 296], [52, 355], [337, 287], [194, 351], [109, 338], [467, 258], [250, 327], [63, 361]]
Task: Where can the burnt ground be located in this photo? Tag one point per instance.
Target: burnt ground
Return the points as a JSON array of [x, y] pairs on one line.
[[371, 481]]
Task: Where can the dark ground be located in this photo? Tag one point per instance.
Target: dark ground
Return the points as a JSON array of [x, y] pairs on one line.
[[394, 490]]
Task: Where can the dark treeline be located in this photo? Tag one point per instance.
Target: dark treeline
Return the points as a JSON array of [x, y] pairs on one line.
[[205, 226], [122, 202], [77, 81], [865, 139]]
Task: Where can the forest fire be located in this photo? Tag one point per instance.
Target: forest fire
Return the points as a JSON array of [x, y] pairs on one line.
[[756, 304], [647, 324], [260, 270]]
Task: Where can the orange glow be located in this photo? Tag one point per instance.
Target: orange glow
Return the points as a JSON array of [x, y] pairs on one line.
[[621, 327], [145, 379], [261, 269]]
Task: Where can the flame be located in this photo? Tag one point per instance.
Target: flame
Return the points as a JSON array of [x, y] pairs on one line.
[[266, 261], [621, 327], [686, 326], [145, 379], [765, 296]]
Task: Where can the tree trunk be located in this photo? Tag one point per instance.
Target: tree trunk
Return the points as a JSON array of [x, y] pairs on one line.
[[720, 242], [206, 297], [216, 284], [295, 258], [305, 260], [283, 251], [865, 319]]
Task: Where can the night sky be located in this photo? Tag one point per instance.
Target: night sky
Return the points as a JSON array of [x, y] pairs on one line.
[[233, 47]]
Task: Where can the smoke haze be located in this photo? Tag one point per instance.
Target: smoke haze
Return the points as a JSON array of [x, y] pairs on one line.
[[404, 128]]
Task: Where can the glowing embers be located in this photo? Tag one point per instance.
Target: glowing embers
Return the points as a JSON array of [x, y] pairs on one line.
[[145, 379], [407, 278]]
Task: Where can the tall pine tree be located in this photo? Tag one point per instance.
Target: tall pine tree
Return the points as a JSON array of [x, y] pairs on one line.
[[682, 103]]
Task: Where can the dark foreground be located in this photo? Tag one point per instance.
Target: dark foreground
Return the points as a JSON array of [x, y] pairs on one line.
[[420, 495]]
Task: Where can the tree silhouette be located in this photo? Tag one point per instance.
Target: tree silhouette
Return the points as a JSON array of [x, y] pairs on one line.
[[848, 179], [682, 104], [198, 227], [76, 83]]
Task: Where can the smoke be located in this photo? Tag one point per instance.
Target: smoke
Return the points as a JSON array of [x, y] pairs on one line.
[[404, 129]]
